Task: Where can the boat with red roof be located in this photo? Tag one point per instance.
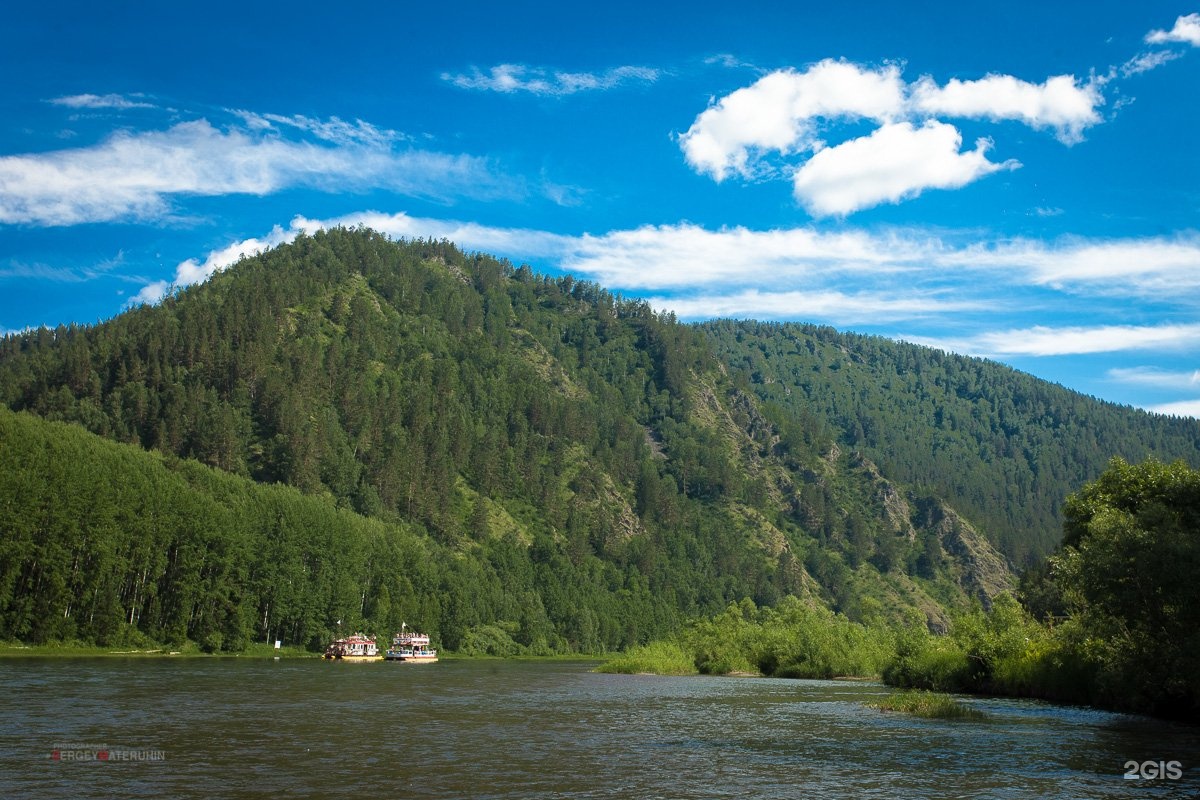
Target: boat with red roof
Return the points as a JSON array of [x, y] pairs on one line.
[[358, 647]]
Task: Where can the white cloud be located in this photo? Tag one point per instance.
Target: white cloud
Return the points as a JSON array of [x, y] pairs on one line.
[[334, 129], [519, 242], [1165, 267], [1183, 408], [670, 256], [135, 175], [817, 305], [1156, 378], [777, 113], [509, 78], [688, 256], [896, 162], [1186, 30], [1144, 62], [149, 294], [787, 115], [97, 101], [193, 271], [1061, 102], [1082, 340]]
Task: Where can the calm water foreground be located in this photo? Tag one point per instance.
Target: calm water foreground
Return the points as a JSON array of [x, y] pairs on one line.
[[496, 729]]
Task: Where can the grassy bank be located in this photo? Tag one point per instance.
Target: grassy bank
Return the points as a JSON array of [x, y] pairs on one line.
[[659, 658], [792, 640]]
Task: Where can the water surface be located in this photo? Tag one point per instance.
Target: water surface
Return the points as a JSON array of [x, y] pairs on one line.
[[501, 729]]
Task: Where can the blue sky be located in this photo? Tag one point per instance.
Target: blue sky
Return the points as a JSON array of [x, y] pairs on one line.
[[1020, 183]]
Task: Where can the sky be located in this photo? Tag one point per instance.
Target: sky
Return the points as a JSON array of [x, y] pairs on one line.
[[1016, 182]]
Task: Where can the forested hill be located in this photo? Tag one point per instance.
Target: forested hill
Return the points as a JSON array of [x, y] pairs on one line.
[[1002, 447], [571, 470]]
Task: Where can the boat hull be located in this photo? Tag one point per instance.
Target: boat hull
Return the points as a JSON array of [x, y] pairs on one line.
[[376, 657], [411, 659]]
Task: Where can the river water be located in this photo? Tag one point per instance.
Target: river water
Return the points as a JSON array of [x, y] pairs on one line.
[[535, 729]]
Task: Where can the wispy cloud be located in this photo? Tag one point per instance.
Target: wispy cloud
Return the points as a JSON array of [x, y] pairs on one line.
[[1049, 341], [333, 130], [136, 176], [1144, 62], [41, 271], [1156, 377], [103, 101], [512, 78], [845, 307], [1165, 267]]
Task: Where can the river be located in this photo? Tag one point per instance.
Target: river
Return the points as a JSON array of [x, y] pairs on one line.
[[236, 727]]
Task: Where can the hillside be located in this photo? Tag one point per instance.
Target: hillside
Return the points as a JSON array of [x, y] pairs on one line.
[[1000, 446], [572, 470]]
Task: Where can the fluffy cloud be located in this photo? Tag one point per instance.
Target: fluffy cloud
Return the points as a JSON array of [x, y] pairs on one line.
[[135, 175], [786, 113], [1061, 103], [510, 78], [779, 111], [149, 294], [194, 271], [1186, 30], [896, 162]]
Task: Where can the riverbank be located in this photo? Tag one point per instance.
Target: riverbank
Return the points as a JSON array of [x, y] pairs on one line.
[[256, 650], [189, 650]]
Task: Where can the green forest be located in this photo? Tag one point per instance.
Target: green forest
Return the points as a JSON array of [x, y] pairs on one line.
[[353, 429], [1000, 446], [1112, 619], [109, 544]]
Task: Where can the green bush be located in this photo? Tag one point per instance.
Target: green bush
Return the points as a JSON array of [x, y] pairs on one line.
[[925, 661], [490, 640], [929, 705]]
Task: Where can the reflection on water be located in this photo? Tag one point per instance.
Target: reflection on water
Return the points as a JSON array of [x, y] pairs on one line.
[[495, 729]]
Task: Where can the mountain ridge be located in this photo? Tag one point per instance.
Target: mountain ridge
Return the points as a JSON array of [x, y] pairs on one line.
[[476, 404]]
